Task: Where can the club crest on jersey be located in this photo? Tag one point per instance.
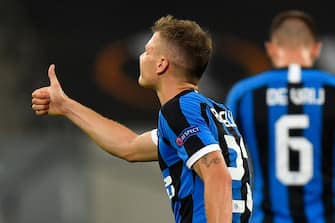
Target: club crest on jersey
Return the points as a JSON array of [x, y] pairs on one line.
[[186, 133]]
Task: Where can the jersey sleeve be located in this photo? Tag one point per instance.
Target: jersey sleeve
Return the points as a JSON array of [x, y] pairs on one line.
[[186, 130], [154, 136]]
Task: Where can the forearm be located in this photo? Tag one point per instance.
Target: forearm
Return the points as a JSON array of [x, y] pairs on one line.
[[111, 136], [218, 200]]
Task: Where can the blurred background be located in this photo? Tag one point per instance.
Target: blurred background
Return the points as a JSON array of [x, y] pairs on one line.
[[49, 170]]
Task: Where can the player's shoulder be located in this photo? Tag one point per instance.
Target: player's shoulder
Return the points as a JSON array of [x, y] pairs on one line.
[[259, 79], [321, 75], [254, 82]]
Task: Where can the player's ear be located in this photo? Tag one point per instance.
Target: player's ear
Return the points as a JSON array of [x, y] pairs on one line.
[[270, 49], [162, 65], [316, 50]]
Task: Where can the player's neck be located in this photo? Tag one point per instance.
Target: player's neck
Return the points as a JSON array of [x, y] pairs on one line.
[[301, 57], [302, 63], [169, 90]]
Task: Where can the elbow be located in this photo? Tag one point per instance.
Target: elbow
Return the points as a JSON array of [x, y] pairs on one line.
[[130, 157], [131, 154], [226, 177], [223, 177], [124, 154]]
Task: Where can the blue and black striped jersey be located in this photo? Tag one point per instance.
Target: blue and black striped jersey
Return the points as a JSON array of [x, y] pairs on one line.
[[287, 118], [190, 126]]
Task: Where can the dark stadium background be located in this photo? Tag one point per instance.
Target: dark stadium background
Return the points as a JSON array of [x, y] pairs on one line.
[[49, 170]]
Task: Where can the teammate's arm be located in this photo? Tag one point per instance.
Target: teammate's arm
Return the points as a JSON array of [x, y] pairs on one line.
[[217, 180], [111, 136]]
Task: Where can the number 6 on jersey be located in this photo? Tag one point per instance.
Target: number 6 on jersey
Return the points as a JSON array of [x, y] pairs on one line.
[[284, 142]]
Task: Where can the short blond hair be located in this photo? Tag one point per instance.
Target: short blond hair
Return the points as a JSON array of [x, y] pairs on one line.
[[193, 43], [294, 28]]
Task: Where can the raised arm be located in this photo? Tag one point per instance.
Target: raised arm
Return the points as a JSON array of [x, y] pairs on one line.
[[110, 135]]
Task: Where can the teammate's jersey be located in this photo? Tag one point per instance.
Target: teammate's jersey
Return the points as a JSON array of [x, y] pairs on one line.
[[190, 126], [287, 118]]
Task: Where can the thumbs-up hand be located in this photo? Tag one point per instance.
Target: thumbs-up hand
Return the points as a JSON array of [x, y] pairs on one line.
[[49, 100]]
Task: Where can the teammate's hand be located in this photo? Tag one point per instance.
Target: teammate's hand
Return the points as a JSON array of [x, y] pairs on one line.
[[49, 100]]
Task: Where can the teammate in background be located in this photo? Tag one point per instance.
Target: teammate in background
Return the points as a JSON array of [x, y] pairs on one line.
[[200, 151], [287, 116]]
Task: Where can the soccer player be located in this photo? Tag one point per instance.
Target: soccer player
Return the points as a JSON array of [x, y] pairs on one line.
[[287, 116], [200, 150]]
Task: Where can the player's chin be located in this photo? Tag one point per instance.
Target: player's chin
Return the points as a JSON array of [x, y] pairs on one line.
[[142, 82], [145, 84]]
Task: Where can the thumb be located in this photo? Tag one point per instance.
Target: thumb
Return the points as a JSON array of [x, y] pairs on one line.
[[52, 75]]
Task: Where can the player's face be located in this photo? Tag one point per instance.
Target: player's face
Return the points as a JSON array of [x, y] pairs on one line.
[[149, 60]]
